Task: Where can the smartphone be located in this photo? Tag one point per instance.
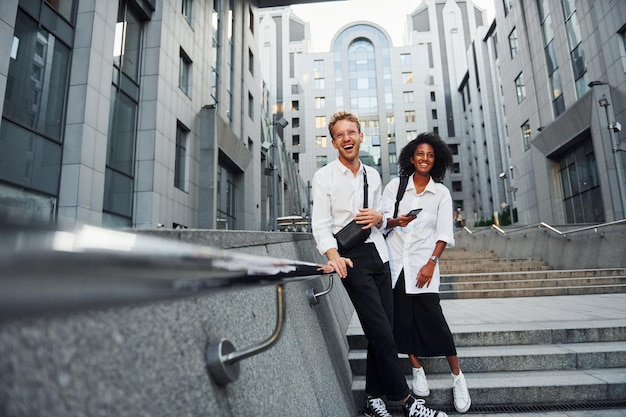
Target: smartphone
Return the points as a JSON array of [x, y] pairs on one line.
[[414, 212]]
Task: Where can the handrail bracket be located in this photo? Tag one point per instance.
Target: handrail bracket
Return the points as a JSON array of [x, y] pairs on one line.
[[222, 359]]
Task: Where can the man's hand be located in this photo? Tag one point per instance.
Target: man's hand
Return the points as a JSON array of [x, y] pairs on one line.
[[338, 263], [369, 217]]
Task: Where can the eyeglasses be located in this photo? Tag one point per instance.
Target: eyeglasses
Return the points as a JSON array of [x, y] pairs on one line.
[[352, 134]]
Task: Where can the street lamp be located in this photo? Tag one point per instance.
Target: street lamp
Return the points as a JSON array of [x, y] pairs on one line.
[[503, 177], [282, 122], [615, 127]]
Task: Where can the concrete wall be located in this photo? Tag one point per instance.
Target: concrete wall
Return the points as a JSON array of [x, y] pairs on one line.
[[604, 247], [148, 360]]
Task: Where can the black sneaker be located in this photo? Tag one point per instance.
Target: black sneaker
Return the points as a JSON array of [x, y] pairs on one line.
[[376, 408], [419, 409]]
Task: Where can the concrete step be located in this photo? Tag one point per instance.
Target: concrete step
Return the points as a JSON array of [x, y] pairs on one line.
[[493, 267], [449, 286], [551, 273], [514, 336], [533, 283], [519, 358], [534, 291], [521, 387]]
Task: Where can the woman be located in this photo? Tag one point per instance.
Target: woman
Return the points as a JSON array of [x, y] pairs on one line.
[[415, 245]]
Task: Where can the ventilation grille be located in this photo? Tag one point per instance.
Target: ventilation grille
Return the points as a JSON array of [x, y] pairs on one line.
[[486, 409]]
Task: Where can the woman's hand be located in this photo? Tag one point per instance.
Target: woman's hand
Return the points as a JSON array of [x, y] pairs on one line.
[[425, 275]]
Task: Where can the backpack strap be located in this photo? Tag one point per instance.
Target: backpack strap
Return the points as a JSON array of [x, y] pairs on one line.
[[404, 180]]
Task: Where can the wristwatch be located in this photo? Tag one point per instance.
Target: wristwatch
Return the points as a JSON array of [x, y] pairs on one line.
[[434, 259]]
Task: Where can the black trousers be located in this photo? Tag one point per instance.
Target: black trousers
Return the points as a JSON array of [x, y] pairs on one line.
[[369, 286]]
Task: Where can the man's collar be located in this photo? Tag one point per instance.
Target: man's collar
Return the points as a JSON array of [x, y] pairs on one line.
[[344, 169]]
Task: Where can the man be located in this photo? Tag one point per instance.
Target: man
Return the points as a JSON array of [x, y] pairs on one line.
[[338, 190]]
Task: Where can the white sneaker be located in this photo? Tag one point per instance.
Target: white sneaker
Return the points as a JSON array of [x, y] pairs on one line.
[[460, 392], [419, 383], [418, 409]]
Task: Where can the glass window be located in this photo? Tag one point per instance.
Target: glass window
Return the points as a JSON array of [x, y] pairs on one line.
[[295, 122], [578, 62], [27, 159], [121, 141], [127, 43], [250, 61], [321, 141], [319, 83], [295, 140], [295, 105], [180, 163], [513, 42], [432, 96], [250, 106], [226, 198], [551, 60], [408, 97], [405, 59], [507, 6], [321, 160], [407, 77], [434, 114], [526, 132], [318, 65], [410, 135], [320, 102], [184, 80], [580, 185], [119, 173], [320, 121], [573, 30], [118, 192], [520, 87], [546, 30], [187, 8], [37, 79], [63, 7], [409, 116]]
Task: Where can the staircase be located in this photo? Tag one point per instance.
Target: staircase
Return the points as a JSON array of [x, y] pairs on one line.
[[528, 338], [481, 274]]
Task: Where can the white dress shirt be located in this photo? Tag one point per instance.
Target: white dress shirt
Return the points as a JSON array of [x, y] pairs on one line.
[[337, 198], [411, 247]]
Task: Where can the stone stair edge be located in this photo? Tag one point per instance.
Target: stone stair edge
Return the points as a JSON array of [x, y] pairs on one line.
[[531, 379], [555, 271]]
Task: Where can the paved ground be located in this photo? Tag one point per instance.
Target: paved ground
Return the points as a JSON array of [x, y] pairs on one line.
[[535, 312]]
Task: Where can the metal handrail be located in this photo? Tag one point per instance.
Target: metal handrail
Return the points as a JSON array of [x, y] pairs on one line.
[[45, 271], [553, 229]]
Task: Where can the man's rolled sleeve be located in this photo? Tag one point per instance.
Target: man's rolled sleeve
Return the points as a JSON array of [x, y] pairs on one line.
[[322, 221]]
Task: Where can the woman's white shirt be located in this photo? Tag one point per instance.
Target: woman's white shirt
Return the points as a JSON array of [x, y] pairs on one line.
[[411, 247]]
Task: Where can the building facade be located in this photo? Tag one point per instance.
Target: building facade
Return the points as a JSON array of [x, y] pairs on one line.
[[397, 91], [138, 113], [557, 72]]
